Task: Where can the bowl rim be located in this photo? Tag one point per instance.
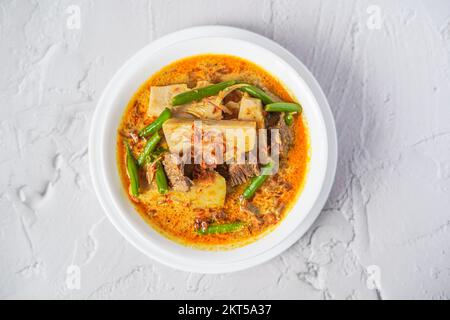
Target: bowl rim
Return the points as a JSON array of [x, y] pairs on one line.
[[237, 34]]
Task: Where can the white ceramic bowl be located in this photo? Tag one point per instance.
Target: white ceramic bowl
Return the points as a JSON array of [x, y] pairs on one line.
[[221, 40]]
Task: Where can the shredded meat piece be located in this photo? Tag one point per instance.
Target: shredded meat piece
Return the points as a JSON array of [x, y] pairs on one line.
[[175, 173], [271, 218], [277, 185], [283, 183], [223, 70], [253, 211], [130, 134], [201, 223], [250, 208], [279, 210], [240, 173], [134, 136], [151, 212], [218, 214], [150, 174]]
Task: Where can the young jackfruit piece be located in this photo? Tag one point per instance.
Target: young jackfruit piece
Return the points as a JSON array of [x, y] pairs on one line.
[[161, 97], [251, 109], [236, 136], [208, 192]]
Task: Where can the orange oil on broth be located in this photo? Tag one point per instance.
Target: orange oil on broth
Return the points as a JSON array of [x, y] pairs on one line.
[[175, 220]]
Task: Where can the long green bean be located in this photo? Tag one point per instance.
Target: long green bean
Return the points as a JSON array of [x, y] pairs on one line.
[[257, 182], [153, 127], [283, 107], [161, 179], [132, 171], [149, 147], [257, 93], [198, 94], [221, 228]]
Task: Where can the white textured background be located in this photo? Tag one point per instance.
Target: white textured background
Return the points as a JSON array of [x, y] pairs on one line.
[[389, 92]]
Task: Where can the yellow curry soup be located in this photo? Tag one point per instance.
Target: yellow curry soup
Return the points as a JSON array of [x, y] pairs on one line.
[[178, 213]]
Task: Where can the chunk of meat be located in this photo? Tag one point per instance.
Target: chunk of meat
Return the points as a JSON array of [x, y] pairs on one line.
[[175, 173], [234, 109], [240, 173], [251, 109], [285, 138], [189, 170], [222, 169], [272, 119], [234, 96], [161, 97]]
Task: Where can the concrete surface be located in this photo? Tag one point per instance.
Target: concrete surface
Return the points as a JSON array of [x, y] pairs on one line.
[[385, 68]]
